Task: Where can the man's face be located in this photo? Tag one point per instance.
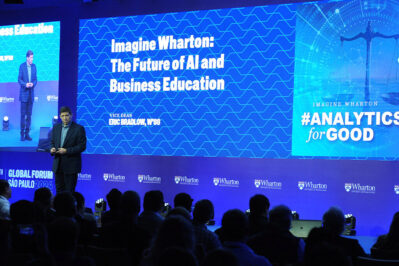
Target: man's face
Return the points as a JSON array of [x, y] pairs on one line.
[[66, 117], [29, 59]]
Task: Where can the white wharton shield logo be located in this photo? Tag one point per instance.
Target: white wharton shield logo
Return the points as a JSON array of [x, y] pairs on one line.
[[257, 183], [105, 177], [177, 179], [140, 178], [348, 187], [396, 188], [301, 185], [216, 181]]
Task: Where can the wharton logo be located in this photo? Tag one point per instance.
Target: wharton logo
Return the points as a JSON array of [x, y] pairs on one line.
[[225, 182], [184, 180], [1, 171], [6, 100], [310, 186], [266, 184], [111, 177], [52, 98], [149, 179], [396, 189], [84, 177], [358, 188]]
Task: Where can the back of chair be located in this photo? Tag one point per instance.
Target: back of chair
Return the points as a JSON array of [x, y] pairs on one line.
[[363, 261], [384, 254], [109, 256]]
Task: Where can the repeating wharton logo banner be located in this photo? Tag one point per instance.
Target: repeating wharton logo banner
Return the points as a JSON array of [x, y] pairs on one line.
[[266, 184], [225, 182], [310, 186], [359, 188], [111, 177], [147, 179], [184, 180]]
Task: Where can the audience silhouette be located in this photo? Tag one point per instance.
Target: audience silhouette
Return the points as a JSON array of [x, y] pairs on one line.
[[62, 231]]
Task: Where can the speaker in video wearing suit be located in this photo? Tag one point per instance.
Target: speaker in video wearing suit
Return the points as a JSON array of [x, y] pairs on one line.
[[68, 141], [27, 79]]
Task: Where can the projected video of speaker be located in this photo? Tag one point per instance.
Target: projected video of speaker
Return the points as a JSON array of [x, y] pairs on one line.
[[29, 70]]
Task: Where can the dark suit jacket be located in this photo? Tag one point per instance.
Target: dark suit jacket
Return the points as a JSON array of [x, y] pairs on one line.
[[23, 78], [349, 247], [278, 245], [74, 143]]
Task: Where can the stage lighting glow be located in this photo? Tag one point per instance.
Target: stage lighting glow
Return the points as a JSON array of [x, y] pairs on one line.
[[55, 120], [6, 123], [350, 225]]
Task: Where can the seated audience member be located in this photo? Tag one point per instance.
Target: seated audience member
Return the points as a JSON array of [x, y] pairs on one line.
[[176, 256], [5, 195], [202, 214], [387, 246], [150, 219], [276, 242], [27, 238], [258, 216], [180, 211], [42, 200], [125, 233], [235, 231], [113, 199], [65, 205], [319, 252], [183, 200], [63, 234], [175, 231], [87, 221], [219, 257], [329, 236]]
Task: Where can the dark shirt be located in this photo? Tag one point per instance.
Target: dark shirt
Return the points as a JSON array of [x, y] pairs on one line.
[[278, 245], [386, 248], [207, 239], [245, 255], [109, 217], [125, 234], [150, 221], [257, 224], [349, 247]]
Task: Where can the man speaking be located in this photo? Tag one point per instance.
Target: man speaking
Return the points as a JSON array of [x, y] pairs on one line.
[[68, 141]]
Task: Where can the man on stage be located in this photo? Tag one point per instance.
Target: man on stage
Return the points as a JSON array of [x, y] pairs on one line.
[[68, 141], [27, 79]]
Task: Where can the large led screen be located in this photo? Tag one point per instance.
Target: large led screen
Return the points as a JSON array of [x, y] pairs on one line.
[[27, 111], [300, 80]]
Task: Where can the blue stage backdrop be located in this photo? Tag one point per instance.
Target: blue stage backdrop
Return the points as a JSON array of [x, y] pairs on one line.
[[284, 100], [15, 40]]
